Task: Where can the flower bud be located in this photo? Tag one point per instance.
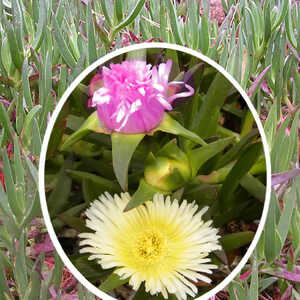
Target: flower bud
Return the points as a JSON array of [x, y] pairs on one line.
[[168, 172]]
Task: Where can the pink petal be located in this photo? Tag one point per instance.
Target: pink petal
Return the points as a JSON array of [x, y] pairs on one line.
[[45, 246], [189, 93], [133, 96], [96, 83]]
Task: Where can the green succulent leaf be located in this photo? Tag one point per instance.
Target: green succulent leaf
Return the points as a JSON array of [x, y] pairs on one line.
[[74, 222], [236, 149], [91, 270], [273, 241], [58, 199], [236, 240], [3, 283], [255, 187], [113, 281], [92, 123], [199, 156], [243, 165], [103, 183], [209, 112], [169, 125], [123, 147], [145, 192], [130, 18]]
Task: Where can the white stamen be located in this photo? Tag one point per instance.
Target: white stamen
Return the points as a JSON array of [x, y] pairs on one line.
[[135, 105], [102, 91], [161, 70], [142, 91], [124, 123], [120, 115], [158, 87], [99, 99]]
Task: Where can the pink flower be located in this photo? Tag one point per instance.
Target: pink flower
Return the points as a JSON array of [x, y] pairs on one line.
[[45, 246], [134, 96]]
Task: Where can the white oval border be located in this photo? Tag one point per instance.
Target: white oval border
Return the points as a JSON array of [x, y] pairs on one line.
[[50, 126]]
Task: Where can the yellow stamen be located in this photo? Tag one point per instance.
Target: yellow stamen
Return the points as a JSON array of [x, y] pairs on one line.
[[149, 247]]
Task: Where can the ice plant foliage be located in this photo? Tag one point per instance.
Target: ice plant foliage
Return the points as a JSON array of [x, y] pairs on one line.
[[162, 243], [134, 95]]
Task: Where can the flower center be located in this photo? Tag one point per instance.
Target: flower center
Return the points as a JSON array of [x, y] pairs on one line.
[[149, 247]]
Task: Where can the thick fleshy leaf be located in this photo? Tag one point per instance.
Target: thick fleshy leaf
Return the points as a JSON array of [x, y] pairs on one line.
[[271, 124], [103, 183], [174, 22], [74, 222], [207, 119], [123, 147], [242, 167], [236, 149], [83, 148], [62, 45], [131, 16], [105, 12], [283, 8], [12, 196], [112, 282], [203, 194], [90, 190], [91, 270], [169, 125], [273, 241], [295, 230], [58, 271], [58, 199], [141, 293], [253, 291], [74, 211], [20, 265], [56, 134], [92, 123], [236, 240], [290, 199], [3, 282], [285, 144], [199, 156], [254, 187], [145, 192], [265, 283], [216, 176], [237, 291]]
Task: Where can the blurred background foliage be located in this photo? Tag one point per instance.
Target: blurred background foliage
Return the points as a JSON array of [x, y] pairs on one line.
[[46, 44]]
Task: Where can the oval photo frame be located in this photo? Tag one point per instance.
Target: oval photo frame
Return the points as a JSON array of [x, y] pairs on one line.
[[51, 124]]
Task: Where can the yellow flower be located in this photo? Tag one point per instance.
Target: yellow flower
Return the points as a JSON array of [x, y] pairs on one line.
[[162, 243]]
